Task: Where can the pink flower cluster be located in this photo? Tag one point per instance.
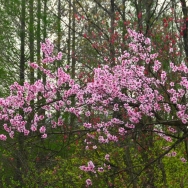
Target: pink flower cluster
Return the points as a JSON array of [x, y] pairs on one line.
[[48, 49], [122, 89], [172, 154], [89, 168]]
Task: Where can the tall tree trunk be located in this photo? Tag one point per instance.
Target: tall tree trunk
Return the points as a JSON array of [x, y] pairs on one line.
[[139, 11], [130, 165], [31, 39], [69, 35], [31, 52], [185, 27], [44, 36], [112, 27], [58, 46], [39, 76], [73, 65], [73, 42], [20, 151], [38, 36], [148, 6], [22, 44], [124, 28]]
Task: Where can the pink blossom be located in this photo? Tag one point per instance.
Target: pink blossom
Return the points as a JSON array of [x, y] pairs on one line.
[[122, 131], [173, 154], [183, 159], [68, 102], [44, 136], [88, 113], [87, 125], [33, 128], [88, 182], [59, 56], [26, 132], [11, 134], [91, 165], [95, 147], [107, 157], [100, 169], [167, 138], [87, 148], [3, 137], [42, 129]]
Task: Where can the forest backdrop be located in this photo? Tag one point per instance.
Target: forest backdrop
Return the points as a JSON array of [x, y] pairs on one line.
[[113, 141]]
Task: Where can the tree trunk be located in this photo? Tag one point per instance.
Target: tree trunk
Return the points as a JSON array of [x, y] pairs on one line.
[[20, 151]]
